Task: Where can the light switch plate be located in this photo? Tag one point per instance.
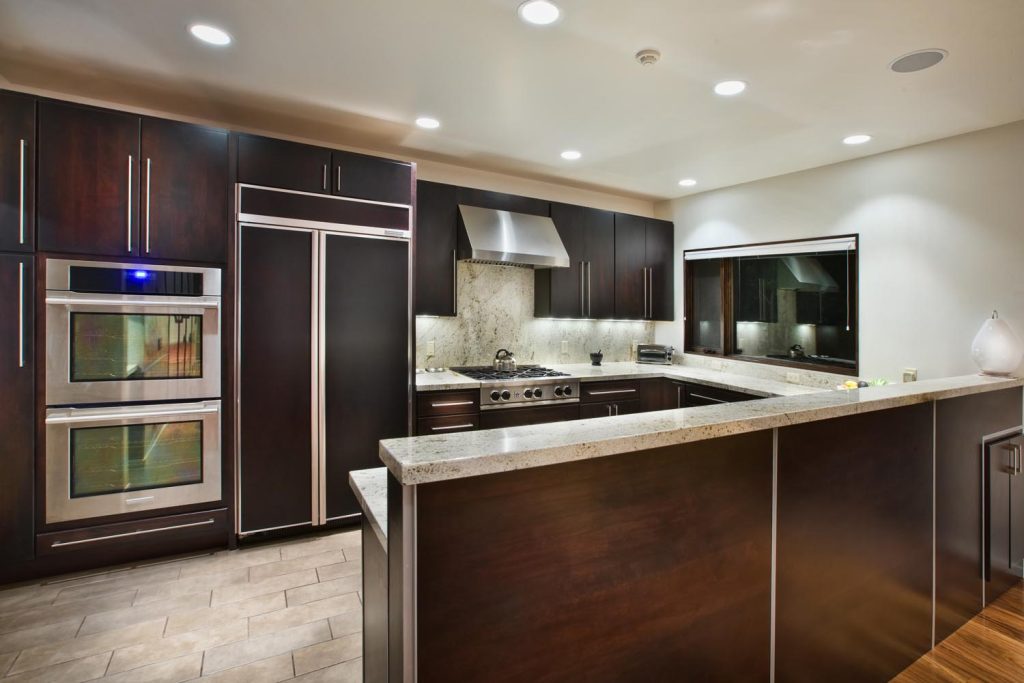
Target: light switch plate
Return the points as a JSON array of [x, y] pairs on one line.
[[909, 375], [430, 347], [565, 346]]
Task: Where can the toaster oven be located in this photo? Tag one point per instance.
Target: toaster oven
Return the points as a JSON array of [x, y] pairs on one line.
[[655, 354]]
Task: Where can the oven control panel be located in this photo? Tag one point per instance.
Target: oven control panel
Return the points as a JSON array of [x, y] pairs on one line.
[[519, 392]]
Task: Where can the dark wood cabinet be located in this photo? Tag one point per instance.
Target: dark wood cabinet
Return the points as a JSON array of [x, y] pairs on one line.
[[587, 288], [659, 245], [17, 172], [1004, 516], [437, 219], [610, 409], [503, 202], [374, 178], [17, 408], [185, 192], [630, 267], [88, 180], [283, 164]]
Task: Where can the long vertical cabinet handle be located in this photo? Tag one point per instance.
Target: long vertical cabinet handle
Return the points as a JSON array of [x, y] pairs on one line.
[[129, 203], [149, 173], [339, 178], [321, 500], [679, 396], [650, 306], [583, 306], [325, 178], [455, 281], [21, 314], [645, 293], [590, 292], [21, 192]]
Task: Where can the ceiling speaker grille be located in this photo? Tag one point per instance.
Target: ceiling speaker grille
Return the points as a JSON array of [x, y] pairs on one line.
[[917, 60]]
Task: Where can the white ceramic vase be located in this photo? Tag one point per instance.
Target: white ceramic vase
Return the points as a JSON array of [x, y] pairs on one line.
[[996, 349]]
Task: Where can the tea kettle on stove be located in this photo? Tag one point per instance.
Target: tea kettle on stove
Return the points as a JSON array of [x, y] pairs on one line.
[[504, 361]]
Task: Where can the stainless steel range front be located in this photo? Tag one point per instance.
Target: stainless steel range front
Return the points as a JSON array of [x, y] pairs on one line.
[[528, 385]]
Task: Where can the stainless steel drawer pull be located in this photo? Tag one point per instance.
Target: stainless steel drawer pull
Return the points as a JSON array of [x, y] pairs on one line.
[[708, 398], [451, 427], [21, 194], [97, 301], [21, 314], [140, 532], [451, 404], [611, 391], [91, 416]]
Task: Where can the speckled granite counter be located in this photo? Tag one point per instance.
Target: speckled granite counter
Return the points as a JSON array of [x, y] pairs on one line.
[[428, 459], [448, 380], [371, 489]]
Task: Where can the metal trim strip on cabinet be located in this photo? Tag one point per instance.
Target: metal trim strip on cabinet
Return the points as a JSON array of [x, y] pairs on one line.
[[129, 203], [21, 314], [149, 201], [140, 532], [320, 337], [21, 192]]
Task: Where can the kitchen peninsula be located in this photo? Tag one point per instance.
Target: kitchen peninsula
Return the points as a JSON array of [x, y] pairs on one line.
[[823, 535]]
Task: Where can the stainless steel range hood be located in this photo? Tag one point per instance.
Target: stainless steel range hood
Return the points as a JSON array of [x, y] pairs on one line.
[[510, 239]]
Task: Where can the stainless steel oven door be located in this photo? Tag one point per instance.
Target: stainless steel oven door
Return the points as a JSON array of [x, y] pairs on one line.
[[110, 461], [120, 348]]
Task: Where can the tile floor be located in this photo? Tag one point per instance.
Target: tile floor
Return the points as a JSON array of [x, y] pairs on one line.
[[276, 612]]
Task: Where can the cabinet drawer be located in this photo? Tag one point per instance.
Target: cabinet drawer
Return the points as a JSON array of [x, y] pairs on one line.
[[609, 392], [144, 538], [434, 403], [447, 424], [698, 395], [610, 409]]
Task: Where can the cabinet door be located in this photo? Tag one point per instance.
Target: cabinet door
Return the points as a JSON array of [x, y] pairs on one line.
[[437, 218], [660, 241], [185, 191], [599, 231], [630, 264], [17, 408], [366, 177], [1003, 493], [17, 172], [590, 410], [88, 181], [282, 164], [566, 287], [504, 202], [365, 347], [275, 372], [1017, 514]]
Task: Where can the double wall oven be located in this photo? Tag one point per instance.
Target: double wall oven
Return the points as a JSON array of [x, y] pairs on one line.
[[133, 388]]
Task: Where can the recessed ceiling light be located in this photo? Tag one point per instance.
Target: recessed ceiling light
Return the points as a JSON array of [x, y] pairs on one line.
[[428, 122], [210, 34], [728, 88], [858, 139], [687, 182], [540, 12], [571, 155], [918, 60]]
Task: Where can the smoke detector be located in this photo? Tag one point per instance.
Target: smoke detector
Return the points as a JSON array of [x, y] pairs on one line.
[[648, 57]]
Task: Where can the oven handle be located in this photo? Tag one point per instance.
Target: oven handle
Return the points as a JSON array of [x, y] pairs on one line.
[[126, 415], [167, 301]]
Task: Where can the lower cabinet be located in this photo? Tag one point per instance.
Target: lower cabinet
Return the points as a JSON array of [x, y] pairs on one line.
[[1004, 518], [611, 409], [444, 412], [679, 394]]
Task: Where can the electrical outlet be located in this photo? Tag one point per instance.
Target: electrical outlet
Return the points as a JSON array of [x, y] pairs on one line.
[[793, 377], [909, 375], [565, 346], [430, 347]]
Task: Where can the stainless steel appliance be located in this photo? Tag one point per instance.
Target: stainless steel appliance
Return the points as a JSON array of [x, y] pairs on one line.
[[504, 361], [655, 354], [511, 239], [529, 385], [120, 333], [108, 461]]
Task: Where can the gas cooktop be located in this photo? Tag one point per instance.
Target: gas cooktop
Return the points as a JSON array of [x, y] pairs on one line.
[[483, 373]]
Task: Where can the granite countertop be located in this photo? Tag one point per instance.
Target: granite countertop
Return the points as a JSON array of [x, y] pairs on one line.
[[448, 380], [425, 459], [371, 489]]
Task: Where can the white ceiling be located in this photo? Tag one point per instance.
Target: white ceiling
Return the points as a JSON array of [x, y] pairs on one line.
[[511, 97]]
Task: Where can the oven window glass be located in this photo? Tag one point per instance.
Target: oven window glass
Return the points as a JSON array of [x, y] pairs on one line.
[[110, 347], [107, 460]]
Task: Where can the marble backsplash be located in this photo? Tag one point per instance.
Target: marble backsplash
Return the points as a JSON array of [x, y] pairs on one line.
[[496, 312]]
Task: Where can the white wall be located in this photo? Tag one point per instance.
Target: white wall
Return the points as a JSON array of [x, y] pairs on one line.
[[941, 241]]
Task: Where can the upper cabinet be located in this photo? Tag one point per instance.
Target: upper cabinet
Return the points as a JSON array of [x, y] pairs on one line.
[[88, 182], [660, 247], [586, 289], [437, 218], [644, 271], [116, 184], [17, 172], [294, 166]]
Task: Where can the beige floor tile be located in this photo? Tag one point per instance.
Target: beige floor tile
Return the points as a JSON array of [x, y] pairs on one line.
[[56, 653], [253, 649], [133, 657], [6, 661], [323, 655], [117, 582], [346, 672], [23, 597], [270, 670], [16, 621], [119, 618], [354, 554], [350, 539], [230, 559], [336, 571], [324, 589], [75, 671], [347, 623], [207, 617], [175, 670], [193, 584], [242, 591], [302, 614], [16, 641], [263, 571]]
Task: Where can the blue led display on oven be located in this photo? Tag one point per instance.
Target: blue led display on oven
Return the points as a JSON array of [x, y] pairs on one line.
[[140, 274]]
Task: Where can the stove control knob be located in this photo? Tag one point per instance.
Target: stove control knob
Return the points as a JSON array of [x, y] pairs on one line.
[[495, 395], [505, 395], [558, 391], [537, 393], [528, 393], [568, 391]]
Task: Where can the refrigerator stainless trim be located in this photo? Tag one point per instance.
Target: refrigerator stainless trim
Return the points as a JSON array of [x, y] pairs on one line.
[[58, 273], [60, 507], [320, 338]]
